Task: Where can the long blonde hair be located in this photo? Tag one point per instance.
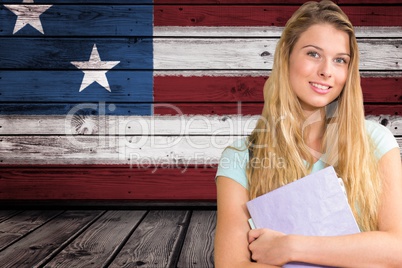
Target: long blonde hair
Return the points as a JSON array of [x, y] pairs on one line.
[[279, 131]]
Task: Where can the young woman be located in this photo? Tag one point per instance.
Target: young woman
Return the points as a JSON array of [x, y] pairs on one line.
[[313, 117]]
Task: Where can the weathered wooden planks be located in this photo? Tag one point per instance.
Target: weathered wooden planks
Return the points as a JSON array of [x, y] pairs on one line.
[[174, 88], [272, 2], [197, 250], [6, 214], [85, 20], [135, 151], [248, 88], [165, 108], [264, 31], [108, 183], [57, 53], [63, 86], [22, 224], [96, 246], [216, 2], [115, 238], [189, 71], [112, 149], [256, 15], [172, 53], [156, 242], [46, 240], [179, 125], [133, 19]]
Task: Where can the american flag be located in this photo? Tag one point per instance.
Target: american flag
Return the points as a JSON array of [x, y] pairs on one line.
[[129, 99]]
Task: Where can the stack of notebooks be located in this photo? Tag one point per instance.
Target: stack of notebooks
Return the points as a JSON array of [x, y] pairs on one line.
[[315, 205]]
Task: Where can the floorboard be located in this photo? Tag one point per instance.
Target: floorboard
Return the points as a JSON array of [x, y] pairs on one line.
[[98, 238], [155, 242], [96, 245], [14, 228], [49, 238], [198, 246], [6, 214]]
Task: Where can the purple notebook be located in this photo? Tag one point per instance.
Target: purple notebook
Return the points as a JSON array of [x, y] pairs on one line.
[[315, 205]]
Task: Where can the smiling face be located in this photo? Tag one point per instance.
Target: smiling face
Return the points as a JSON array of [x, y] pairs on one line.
[[318, 66]]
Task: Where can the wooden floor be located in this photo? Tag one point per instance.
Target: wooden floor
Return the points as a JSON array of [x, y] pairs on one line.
[[107, 238]]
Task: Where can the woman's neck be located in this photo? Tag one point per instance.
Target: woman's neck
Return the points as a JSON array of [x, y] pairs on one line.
[[313, 129]]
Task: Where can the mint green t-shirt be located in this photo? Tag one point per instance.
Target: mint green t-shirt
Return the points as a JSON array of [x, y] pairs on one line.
[[232, 163]]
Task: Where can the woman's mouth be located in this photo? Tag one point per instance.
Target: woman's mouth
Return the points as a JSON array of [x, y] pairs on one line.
[[320, 88]]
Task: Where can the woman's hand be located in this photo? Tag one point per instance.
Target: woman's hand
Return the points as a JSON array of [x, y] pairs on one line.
[[269, 247]]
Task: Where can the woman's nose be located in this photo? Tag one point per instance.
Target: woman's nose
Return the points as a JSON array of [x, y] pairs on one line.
[[325, 69]]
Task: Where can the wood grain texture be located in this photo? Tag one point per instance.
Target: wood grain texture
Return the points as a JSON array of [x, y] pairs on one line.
[[135, 87], [206, 125], [96, 245], [143, 150], [272, 15], [108, 183], [180, 125], [198, 246], [85, 20], [37, 77], [255, 54], [156, 242], [138, 238], [135, 141], [52, 53], [272, 2], [164, 108], [6, 214], [63, 86], [253, 108], [216, 2], [136, 19], [83, 108], [38, 245], [264, 31], [250, 88], [170, 54], [22, 224]]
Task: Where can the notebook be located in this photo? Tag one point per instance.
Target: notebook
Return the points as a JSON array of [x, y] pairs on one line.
[[315, 205]]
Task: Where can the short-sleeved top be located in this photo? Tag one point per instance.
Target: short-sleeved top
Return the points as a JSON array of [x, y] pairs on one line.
[[233, 162]]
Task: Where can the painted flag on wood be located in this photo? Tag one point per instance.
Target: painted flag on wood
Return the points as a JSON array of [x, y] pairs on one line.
[[161, 87]]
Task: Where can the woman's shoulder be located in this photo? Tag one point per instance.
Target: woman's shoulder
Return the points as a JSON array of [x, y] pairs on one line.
[[233, 162], [382, 137], [239, 144]]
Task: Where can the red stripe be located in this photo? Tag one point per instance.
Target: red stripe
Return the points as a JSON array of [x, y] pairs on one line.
[[249, 89], [107, 183], [256, 15], [253, 109], [272, 2]]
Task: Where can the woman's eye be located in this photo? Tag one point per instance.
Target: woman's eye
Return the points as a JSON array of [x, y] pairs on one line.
[[313, 54], [340, 60]]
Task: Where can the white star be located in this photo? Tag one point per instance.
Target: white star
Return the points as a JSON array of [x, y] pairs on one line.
[[28, 14], [99, 74]]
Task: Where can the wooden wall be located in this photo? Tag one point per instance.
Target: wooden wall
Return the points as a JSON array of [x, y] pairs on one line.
[[187, 81]]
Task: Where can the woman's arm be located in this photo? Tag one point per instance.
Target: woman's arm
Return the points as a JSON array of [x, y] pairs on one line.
[[231, 244], [381, 248]]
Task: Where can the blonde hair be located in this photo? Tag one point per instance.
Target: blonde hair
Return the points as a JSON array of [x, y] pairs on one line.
[[279, 131]]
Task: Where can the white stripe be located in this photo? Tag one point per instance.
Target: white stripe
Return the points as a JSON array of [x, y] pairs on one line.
[[262, 31], [138, 141], [251, 73], [186, 125], [139, 150], [255, 54]]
